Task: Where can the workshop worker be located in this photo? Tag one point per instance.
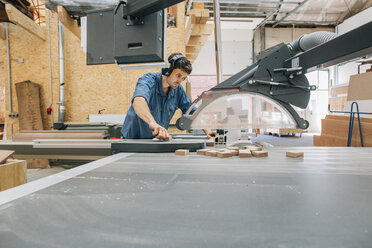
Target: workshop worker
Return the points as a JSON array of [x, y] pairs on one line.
[[156, 98]]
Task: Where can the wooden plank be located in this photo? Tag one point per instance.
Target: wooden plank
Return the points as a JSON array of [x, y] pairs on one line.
[[341, 90], [28, 97], [28, 137], [337, 103], [360, 87], [191, 56], [329, 140], [347, 118], [197, 13], [202, 29], [68, 22], [197, 40], [62, 131], [339, 128], [193, 49], [4, 155], [2, 31], [198, 5], [198, 30], [205, 16], [12, 174], [23, 21]]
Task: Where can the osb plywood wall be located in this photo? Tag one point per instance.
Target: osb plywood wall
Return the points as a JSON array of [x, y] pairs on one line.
[[87, 88]]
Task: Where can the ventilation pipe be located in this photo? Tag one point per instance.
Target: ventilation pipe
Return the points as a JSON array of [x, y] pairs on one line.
[[309, 41], [62, 109]]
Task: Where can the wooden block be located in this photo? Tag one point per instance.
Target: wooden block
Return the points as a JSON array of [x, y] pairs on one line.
[[211, 153], [260, 154], [201, 151], [20, 19], [209, 143], [68, 22], [252, 148], [224, 154], [182, 152], [205, 16], [245, 153], [37, 163], [222, 150], [4, 155], [198, 5], [12, 173], [234, 152], [294, 154], [233, 148]]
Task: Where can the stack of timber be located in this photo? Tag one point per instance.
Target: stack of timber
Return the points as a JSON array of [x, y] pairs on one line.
[[197, 31], [28, 136], [335, 129]]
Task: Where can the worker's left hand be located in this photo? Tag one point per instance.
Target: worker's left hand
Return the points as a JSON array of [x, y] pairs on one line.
[[210, 133]]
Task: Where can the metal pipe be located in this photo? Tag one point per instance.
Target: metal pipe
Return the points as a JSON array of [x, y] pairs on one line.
[[8, 63], [217, 39], [128, 90], [50, 70], [62, 109]]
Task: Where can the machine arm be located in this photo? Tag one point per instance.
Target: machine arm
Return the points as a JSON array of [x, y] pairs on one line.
[[278, 75]]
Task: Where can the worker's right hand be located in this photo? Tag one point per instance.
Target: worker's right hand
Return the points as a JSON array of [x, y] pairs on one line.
[[158, 131]]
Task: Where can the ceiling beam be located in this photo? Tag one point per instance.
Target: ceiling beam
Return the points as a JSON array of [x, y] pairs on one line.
[[290, 13], [68, 22], [18, 18], [277, 9]]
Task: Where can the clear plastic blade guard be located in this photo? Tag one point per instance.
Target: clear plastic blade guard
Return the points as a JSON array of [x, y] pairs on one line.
[[236, 110]]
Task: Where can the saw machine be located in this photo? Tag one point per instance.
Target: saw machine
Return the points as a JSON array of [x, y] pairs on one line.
[[264, 94]]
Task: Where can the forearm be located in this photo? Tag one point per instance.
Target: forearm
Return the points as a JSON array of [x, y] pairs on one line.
[[142, 110]]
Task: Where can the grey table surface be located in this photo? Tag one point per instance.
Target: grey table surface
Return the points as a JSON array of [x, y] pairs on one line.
[[163, 200]]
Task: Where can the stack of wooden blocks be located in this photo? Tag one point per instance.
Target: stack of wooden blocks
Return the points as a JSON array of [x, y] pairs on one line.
[[197, 30], [246, 152]]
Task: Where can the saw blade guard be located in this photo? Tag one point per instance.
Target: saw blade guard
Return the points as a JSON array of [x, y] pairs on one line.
[[238, 111]]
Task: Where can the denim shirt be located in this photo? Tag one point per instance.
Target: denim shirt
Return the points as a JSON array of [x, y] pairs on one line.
[[162, 107]]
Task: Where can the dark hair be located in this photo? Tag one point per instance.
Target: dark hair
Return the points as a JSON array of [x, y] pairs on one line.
[[182, 63]]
